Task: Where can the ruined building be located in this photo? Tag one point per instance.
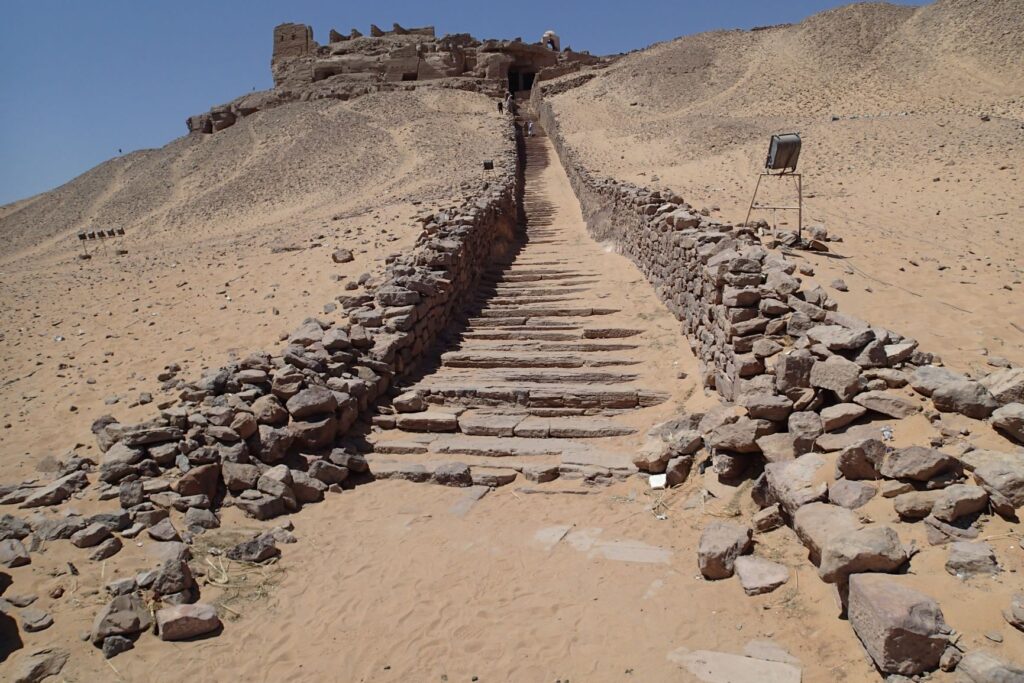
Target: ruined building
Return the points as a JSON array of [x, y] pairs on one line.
[[354, 64]]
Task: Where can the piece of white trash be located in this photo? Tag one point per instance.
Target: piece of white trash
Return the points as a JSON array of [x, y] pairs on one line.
[[658, 481]]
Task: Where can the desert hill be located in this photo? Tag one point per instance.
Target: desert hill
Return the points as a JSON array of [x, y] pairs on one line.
[[224, 233], [913, 145]]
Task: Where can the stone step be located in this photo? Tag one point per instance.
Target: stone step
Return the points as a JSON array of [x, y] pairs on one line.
[[499, 359], [519, 301], [542, 277], [543, 376], [548, 312], [489, 423], [520, 324], [547, 347], [536, 291], [427, 421], [503, 335], [541, 395]]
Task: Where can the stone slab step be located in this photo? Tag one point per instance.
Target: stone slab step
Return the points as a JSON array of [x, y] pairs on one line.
[[543, 376], [490, 423], [427, 421], [547, 347], [505, 335], [498, 359], [541, 395], [519, 325], [549, 312], [609, 332]]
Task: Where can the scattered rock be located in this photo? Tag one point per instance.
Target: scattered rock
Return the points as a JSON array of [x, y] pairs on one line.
[[851, 494], [902, 629], [758, 575], [968, 560], [181, 622], [720, 544], [33, 620], [982, 666], [1010, 420], [125, 615], [40, 664], [13, 553], [257, 550], [115, 645]]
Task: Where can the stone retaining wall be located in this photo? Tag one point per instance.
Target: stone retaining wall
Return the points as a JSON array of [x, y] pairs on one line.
[[295, 406]]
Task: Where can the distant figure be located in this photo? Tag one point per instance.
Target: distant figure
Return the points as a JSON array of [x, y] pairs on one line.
[[529, 128], [510, 103], [501, 107], [550, 39]]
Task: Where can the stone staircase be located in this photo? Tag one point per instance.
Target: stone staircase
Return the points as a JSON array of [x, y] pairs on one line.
[[538, 382]]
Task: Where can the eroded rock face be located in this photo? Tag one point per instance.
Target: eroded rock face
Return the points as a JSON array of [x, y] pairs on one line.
[[902, 629]]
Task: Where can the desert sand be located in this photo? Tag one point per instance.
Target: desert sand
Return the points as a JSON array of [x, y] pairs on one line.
[[897, 159], [229, 242]]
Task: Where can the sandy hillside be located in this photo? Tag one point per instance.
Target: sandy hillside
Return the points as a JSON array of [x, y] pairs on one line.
[[227, 239], [913, 129]]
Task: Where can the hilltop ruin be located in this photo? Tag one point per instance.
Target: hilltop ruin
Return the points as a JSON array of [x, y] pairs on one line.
[[354, 65]]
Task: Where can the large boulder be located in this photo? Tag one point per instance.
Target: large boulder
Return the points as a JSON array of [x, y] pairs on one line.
[[918, 463], [872, 549], [312, 402], [862, 460], [967, 559], [1010, 420], [983, 666], [795, 483], [816, 524], [927, 378], [902, 629], [964, 397], [1006, 386], [1003, 479]]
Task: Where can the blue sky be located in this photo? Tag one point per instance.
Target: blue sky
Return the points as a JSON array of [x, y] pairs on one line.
[[81, 80]]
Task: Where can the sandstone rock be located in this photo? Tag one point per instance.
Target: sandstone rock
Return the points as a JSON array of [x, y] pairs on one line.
[[13, 527], [13, 553], [163, 531], [886, 403], [723, 667], [927, 378], [94, 534], [257, 550], [307, 489], [872, 549], [964, 397], [125, 615], [793, 371], [805, 426], [767, 519], [1003, 479], [106, 549], [39, 664], [740, 436], [261, 506], [1014, 614], [181, 622], [851, 494], [720, 544], [174, 575], [902, 629], [959, 500], [678, 469], [239, 477], [312, 402], [493, 477], [918, 463], [778, 447], [840, 415], [58, 491], [199, 481], [1006, 386], [115, 645], [861, 460], [453, 474], [839, 338], [269, 411], [198, 518], [428, 421], [982, 666], [34, 620], [758, 575], [817, 523], [327, 472], [1010, 420], [410, 402], [762, 405], [915, 504], [272, 443], [796, 483], [342, 256], [838, 375], [967, 560]]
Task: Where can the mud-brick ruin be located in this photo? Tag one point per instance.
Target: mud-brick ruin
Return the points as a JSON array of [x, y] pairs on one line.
[[354, 65]]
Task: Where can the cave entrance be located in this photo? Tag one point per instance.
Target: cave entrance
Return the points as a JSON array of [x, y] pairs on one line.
[[520, 80]]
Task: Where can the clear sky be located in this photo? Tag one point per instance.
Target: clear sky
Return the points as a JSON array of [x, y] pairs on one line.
[[81, 80]]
